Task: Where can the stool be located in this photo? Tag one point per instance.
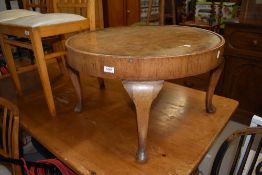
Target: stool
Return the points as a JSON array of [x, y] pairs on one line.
[[161, 11], [36, 27]]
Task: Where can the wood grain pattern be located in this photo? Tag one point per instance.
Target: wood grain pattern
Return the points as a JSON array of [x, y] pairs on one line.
[[44, 6], [142, 93], [91, 9], [241, 79], [103, 137], [121, 12], [213, 80], [147, 54], [36, 40], [251, 12]]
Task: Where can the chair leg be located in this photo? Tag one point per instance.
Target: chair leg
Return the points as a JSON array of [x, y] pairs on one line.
[[59, 46], [162, 12], [150, 4], [10, 63], [100, 12], [42, 69], [174, 11]]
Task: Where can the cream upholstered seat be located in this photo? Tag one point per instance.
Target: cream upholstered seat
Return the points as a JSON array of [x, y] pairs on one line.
[[14, 14], [43, 19]]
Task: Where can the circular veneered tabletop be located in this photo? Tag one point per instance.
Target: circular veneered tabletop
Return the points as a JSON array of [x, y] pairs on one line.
[[145, 52]]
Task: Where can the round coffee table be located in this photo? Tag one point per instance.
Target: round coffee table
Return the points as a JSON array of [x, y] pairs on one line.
[[143, 57]]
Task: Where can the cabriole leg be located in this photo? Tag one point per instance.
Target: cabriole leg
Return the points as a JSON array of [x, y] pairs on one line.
[[142, 93], [74, 75], [214, 77]]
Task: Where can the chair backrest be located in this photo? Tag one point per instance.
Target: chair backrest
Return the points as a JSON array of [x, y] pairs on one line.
[[9, 128], [91, 9], [42, 6], [250, 162]]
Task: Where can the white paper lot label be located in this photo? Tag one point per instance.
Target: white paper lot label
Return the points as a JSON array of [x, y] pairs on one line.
[[108, 69]]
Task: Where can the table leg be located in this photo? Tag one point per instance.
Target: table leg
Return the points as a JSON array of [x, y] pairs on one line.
[[214, 77], [101, 82], [74, 75], [59, 45], [142, 93]]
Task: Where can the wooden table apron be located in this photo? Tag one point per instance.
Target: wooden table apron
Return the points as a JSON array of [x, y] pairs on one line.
[[143, 57]]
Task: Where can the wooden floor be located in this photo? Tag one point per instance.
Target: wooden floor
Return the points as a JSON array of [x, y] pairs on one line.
[[103, 138]]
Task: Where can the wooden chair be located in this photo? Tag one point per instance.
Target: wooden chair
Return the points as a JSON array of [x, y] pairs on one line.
[[36, 28], [162, 15], [9, 127], [91, 9], [253, 135], [42, 6]]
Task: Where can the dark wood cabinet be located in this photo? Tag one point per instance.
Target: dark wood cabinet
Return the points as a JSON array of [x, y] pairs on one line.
[[242, 76], [121, 12]]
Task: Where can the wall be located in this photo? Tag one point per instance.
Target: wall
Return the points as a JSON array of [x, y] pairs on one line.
[[14, 5], [2, 5]]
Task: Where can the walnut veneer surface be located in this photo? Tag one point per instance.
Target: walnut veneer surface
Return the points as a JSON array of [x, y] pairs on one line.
[[148, 53]]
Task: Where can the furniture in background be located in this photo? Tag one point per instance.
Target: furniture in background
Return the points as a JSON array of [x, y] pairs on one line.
[[209, 24], [256, 121], [135, 58], [250, 162], [250, 12], [9, 129], [121, 12], [91, 9], [204, 15], [209, 15], [160, 18], [241, 79], [36, 27], [43, 6]]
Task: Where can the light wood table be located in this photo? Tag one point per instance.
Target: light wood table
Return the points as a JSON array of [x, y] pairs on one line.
[[143, 57], [103, 137]]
